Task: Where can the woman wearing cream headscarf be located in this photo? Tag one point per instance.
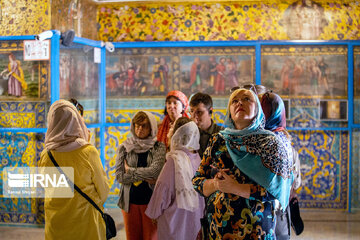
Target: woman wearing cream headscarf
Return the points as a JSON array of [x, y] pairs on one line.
[[140, 159], [174, 203], [66, 138]]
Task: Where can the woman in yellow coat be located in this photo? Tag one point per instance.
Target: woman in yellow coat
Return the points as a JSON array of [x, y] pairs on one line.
[[67, 139]]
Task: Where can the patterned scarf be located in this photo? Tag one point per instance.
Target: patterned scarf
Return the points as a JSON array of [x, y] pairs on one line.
[[165, 125], [260, 155]]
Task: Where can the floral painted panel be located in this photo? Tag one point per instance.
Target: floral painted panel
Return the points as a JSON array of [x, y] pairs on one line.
[[24, 17], [265, 20]]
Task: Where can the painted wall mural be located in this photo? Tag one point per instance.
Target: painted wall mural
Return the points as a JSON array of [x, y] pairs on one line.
[[75, 14], [19, 79], [357, 84], [297, 71], [155, 71], [23, 17], [324, 154], [265, 20]]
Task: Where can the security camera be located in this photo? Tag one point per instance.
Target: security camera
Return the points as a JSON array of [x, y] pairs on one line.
[[108, 46], [44, 35]]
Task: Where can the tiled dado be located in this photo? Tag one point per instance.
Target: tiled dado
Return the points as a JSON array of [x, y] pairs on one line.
[[23, 114]]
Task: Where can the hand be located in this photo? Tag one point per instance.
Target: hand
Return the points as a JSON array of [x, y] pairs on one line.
[[228, 184], [224, 182]]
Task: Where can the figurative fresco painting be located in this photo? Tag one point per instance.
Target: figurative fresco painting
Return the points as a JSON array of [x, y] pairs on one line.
[[137, 75], [78, 74], [159, 67], [155, 71], [304, 20], [18, 79], [305, 71], [215, 74]]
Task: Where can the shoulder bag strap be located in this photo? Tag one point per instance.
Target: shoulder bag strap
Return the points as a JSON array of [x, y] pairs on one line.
[[76, 187]]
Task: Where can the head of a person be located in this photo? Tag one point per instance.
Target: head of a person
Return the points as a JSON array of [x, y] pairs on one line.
[[65, 125], [78, 106], [274, 111], [130, 64], [243, 109], [141, 125], [184, 134], [162, 60], [12, 57], [176, 104], [201, 108]]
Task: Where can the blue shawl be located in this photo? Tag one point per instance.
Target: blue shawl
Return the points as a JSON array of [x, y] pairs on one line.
[[260, 155]]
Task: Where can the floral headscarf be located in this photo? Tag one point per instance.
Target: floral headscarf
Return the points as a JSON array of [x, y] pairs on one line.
[[259, 154], [165, 125]]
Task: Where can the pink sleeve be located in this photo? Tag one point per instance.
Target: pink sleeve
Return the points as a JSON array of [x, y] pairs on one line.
[[164, 191]]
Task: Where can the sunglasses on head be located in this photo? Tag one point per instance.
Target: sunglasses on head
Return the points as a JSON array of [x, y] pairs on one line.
[[248, 86]]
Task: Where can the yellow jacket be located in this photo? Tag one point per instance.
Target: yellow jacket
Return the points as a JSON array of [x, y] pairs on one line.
[[75, 218]]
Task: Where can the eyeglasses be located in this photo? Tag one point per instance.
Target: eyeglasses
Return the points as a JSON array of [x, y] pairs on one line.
[[248, 86]]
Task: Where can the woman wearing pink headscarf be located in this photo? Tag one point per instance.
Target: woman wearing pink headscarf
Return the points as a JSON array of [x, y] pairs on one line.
[[67, 139], [176, 105]]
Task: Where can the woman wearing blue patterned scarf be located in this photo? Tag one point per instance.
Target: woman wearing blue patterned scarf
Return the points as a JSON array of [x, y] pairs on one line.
[[274, 111], [243, 170]]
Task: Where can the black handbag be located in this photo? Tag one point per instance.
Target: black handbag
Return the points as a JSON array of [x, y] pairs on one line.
[[296, 221], [109, 221]]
